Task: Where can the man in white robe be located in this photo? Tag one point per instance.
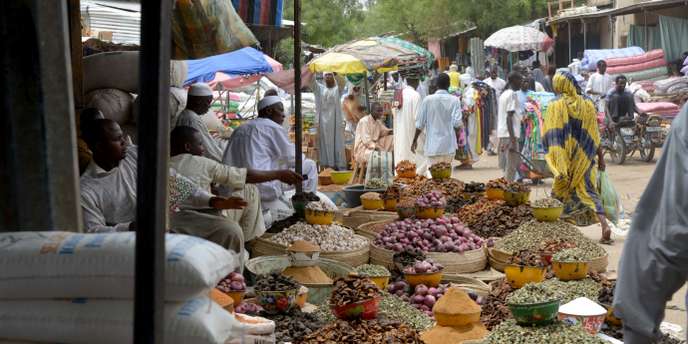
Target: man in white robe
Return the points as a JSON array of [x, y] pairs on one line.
[[186, 148], [330, 123], [198, 103], [498, 84], [599, 84], [263, 144], [472, 127], [372, 135], [405, 122]]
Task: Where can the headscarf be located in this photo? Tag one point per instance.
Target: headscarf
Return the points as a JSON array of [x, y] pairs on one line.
[[571, 140]]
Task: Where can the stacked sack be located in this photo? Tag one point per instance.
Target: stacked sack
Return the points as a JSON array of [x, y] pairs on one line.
[[670, 86], [647, 66], [78, 288]]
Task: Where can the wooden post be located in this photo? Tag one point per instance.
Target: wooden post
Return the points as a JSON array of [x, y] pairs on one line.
[[568, 24], [152, 169], [76, 52], [585, 34], [298, 130]]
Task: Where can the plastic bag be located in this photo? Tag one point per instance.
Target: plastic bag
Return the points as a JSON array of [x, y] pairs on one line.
[[609, 197], [380, 167]]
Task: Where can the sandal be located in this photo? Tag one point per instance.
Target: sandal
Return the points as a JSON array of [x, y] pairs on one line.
[[608, 241]]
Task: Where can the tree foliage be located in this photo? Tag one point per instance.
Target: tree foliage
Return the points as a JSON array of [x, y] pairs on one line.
[[328, 22]]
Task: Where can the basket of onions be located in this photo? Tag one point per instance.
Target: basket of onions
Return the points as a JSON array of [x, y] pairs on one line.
[[234, 286], [424, 272], [430, 205]]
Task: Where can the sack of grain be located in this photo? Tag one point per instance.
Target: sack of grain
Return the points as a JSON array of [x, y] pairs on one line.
[[44, 265], [117, 69], [115, 104], [197, 321]]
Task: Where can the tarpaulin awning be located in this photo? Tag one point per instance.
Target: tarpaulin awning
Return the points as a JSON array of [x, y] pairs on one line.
[[243, 62]]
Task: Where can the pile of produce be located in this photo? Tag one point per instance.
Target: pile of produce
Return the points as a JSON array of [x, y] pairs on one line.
[[571, 290], [554, 246], [423, 266], [373, 196], [353, 289], [517, 187], [361, 331], [376, 183], [371, 270], [456, 304], [606, 295], [570, 255], [455, 204], [422, 297], [451, 188], [547, 203], [494, 308], [500, 184], [291, 327], [447, 334], [392, 192], [433, 199], [307, 274], [392, 308], [320, 206], [405, 166], [531, 293], [431, 235], [510, 332], [440, 166], [418, 179], [233, 282], [532, 235], [492, 218], [526, 258], [248, 308], [275, 282], [474, 187], [329, 237]]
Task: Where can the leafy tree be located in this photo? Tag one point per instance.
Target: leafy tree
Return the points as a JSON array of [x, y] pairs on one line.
[[328, 22]]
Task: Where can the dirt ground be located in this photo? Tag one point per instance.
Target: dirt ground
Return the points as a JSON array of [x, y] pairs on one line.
[[629, 180]]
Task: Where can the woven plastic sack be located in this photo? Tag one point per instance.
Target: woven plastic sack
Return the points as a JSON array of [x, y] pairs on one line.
[[380, 166], [202, 28], [609, 197]]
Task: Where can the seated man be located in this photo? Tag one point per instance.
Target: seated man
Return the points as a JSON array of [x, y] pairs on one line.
[[108, 193], [372, 135], [620, 103], [263, 144], [197, 105], [187, 158]]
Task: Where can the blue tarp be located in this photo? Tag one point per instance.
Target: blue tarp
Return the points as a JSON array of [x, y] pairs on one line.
[[245, 61]]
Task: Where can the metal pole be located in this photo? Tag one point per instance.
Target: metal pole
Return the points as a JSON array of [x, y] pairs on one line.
[[365, 89], [645, 26], [568, 25], [585, 34], [298, 130], [153, 153]]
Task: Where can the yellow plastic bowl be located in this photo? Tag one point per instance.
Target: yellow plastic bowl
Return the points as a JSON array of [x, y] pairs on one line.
[[430, 279], [610, 318], [516, 198], [314, 217], [441, 174], [520, 275], [494, 194], [380, 281], [429, 213], [547, 214], [372, 204], [570, 271], [302, 297], [391, 204], [237, 296], [341, 177]]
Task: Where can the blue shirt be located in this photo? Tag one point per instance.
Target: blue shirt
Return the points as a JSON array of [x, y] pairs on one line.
[[438, 116]]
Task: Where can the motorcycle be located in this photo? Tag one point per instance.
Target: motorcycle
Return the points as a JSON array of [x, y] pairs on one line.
[[651, 135], [643, 134]]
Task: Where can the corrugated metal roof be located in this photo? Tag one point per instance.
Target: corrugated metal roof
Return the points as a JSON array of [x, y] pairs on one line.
[[122, 18]]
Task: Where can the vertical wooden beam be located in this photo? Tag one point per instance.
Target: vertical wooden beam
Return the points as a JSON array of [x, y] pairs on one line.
[[568, 25], [152, 169], [298, 130], [76, 52]]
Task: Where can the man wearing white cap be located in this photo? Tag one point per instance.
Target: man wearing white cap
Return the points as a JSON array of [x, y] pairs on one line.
[[198, 103], [263, 144]]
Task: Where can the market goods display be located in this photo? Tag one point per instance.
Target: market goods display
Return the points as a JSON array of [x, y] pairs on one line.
[[567, 291], [307, 274], [392, 192], [297, 324], [606, 295], [434, 235], [531, 293], [441, 170], [527, 258], [584, 312], [418, 179], [248, 308], [275, 282], [406, 168], [570, 255], [454, 205], [371, 270], [532, 234], [456, 308], [500, 183], [233, 282], [451, 188], [494, 308], [320, 206], [474, 187], [361, 331], [456, 334], [424, 298], [373, 196], [547, 203], [510, 332], [433, 199], [517, 187], [376, 183], [493, 218], [329, 237], [407, 257], [423, 266], [352, 290], [554, 246]]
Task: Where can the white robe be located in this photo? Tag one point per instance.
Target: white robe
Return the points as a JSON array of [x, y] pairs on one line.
[[469, 96], [405, 125], [191, 119], [330, 126]]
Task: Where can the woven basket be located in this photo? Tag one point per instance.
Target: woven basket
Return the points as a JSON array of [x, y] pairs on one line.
[[356, 217], [368, 229], [496, 263], [467, 283], [499, 254], [454, 263], [264, 247], [599, 264]]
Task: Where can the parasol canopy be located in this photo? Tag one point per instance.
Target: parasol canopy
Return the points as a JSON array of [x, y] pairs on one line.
[[519, 38], [231, 69]]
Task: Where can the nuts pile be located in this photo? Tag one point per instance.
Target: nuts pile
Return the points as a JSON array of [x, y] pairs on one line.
[[451, 188], [510, 332], [500, 184], [405, 166], [375, 183], [374, 196], [571, 290], [410, 181], [320, 206], [361, 331], [275, 282], [330, 238], [494, 308], [291, 327], [474, 187], [547, 203], [526, 258], [371, 270], [353, 289], [531, 293], [489, 218], [554, 246], [440, 166], [392, 192], [570, 255], [530, 236]]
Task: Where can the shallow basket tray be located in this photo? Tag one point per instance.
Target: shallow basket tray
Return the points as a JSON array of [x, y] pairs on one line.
[[454, 263], [368, 229], [264, 247]]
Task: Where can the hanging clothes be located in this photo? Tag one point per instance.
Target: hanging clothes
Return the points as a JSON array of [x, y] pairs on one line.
[[330, 126]]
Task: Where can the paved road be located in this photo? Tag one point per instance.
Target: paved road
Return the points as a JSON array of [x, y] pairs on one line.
[[629, 180]]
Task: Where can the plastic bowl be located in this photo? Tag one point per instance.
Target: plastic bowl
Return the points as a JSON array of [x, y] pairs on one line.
[[372, 204], [341, 177], [429, 213], [443, 173], [610, 318], [516, 198], [406, 212], [315, 217], [366, 310], [430, 279], [237, 296], [390, 204], [570, 271], [275, 302], [302, 297], [494, 194], [380, 281], [591, 323], [520, 275], [535, 313], [547, 214]]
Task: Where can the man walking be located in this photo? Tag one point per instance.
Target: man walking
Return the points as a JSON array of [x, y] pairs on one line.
[[509, 127]]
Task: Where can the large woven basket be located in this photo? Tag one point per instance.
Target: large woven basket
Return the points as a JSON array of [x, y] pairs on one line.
[[598, 264], [370, 230], [357, 216], [454, 263], [479, 287], [264, 247]]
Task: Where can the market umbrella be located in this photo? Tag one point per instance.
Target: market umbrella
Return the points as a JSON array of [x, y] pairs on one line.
[[519, 38], [240, 63], [422, 52]]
